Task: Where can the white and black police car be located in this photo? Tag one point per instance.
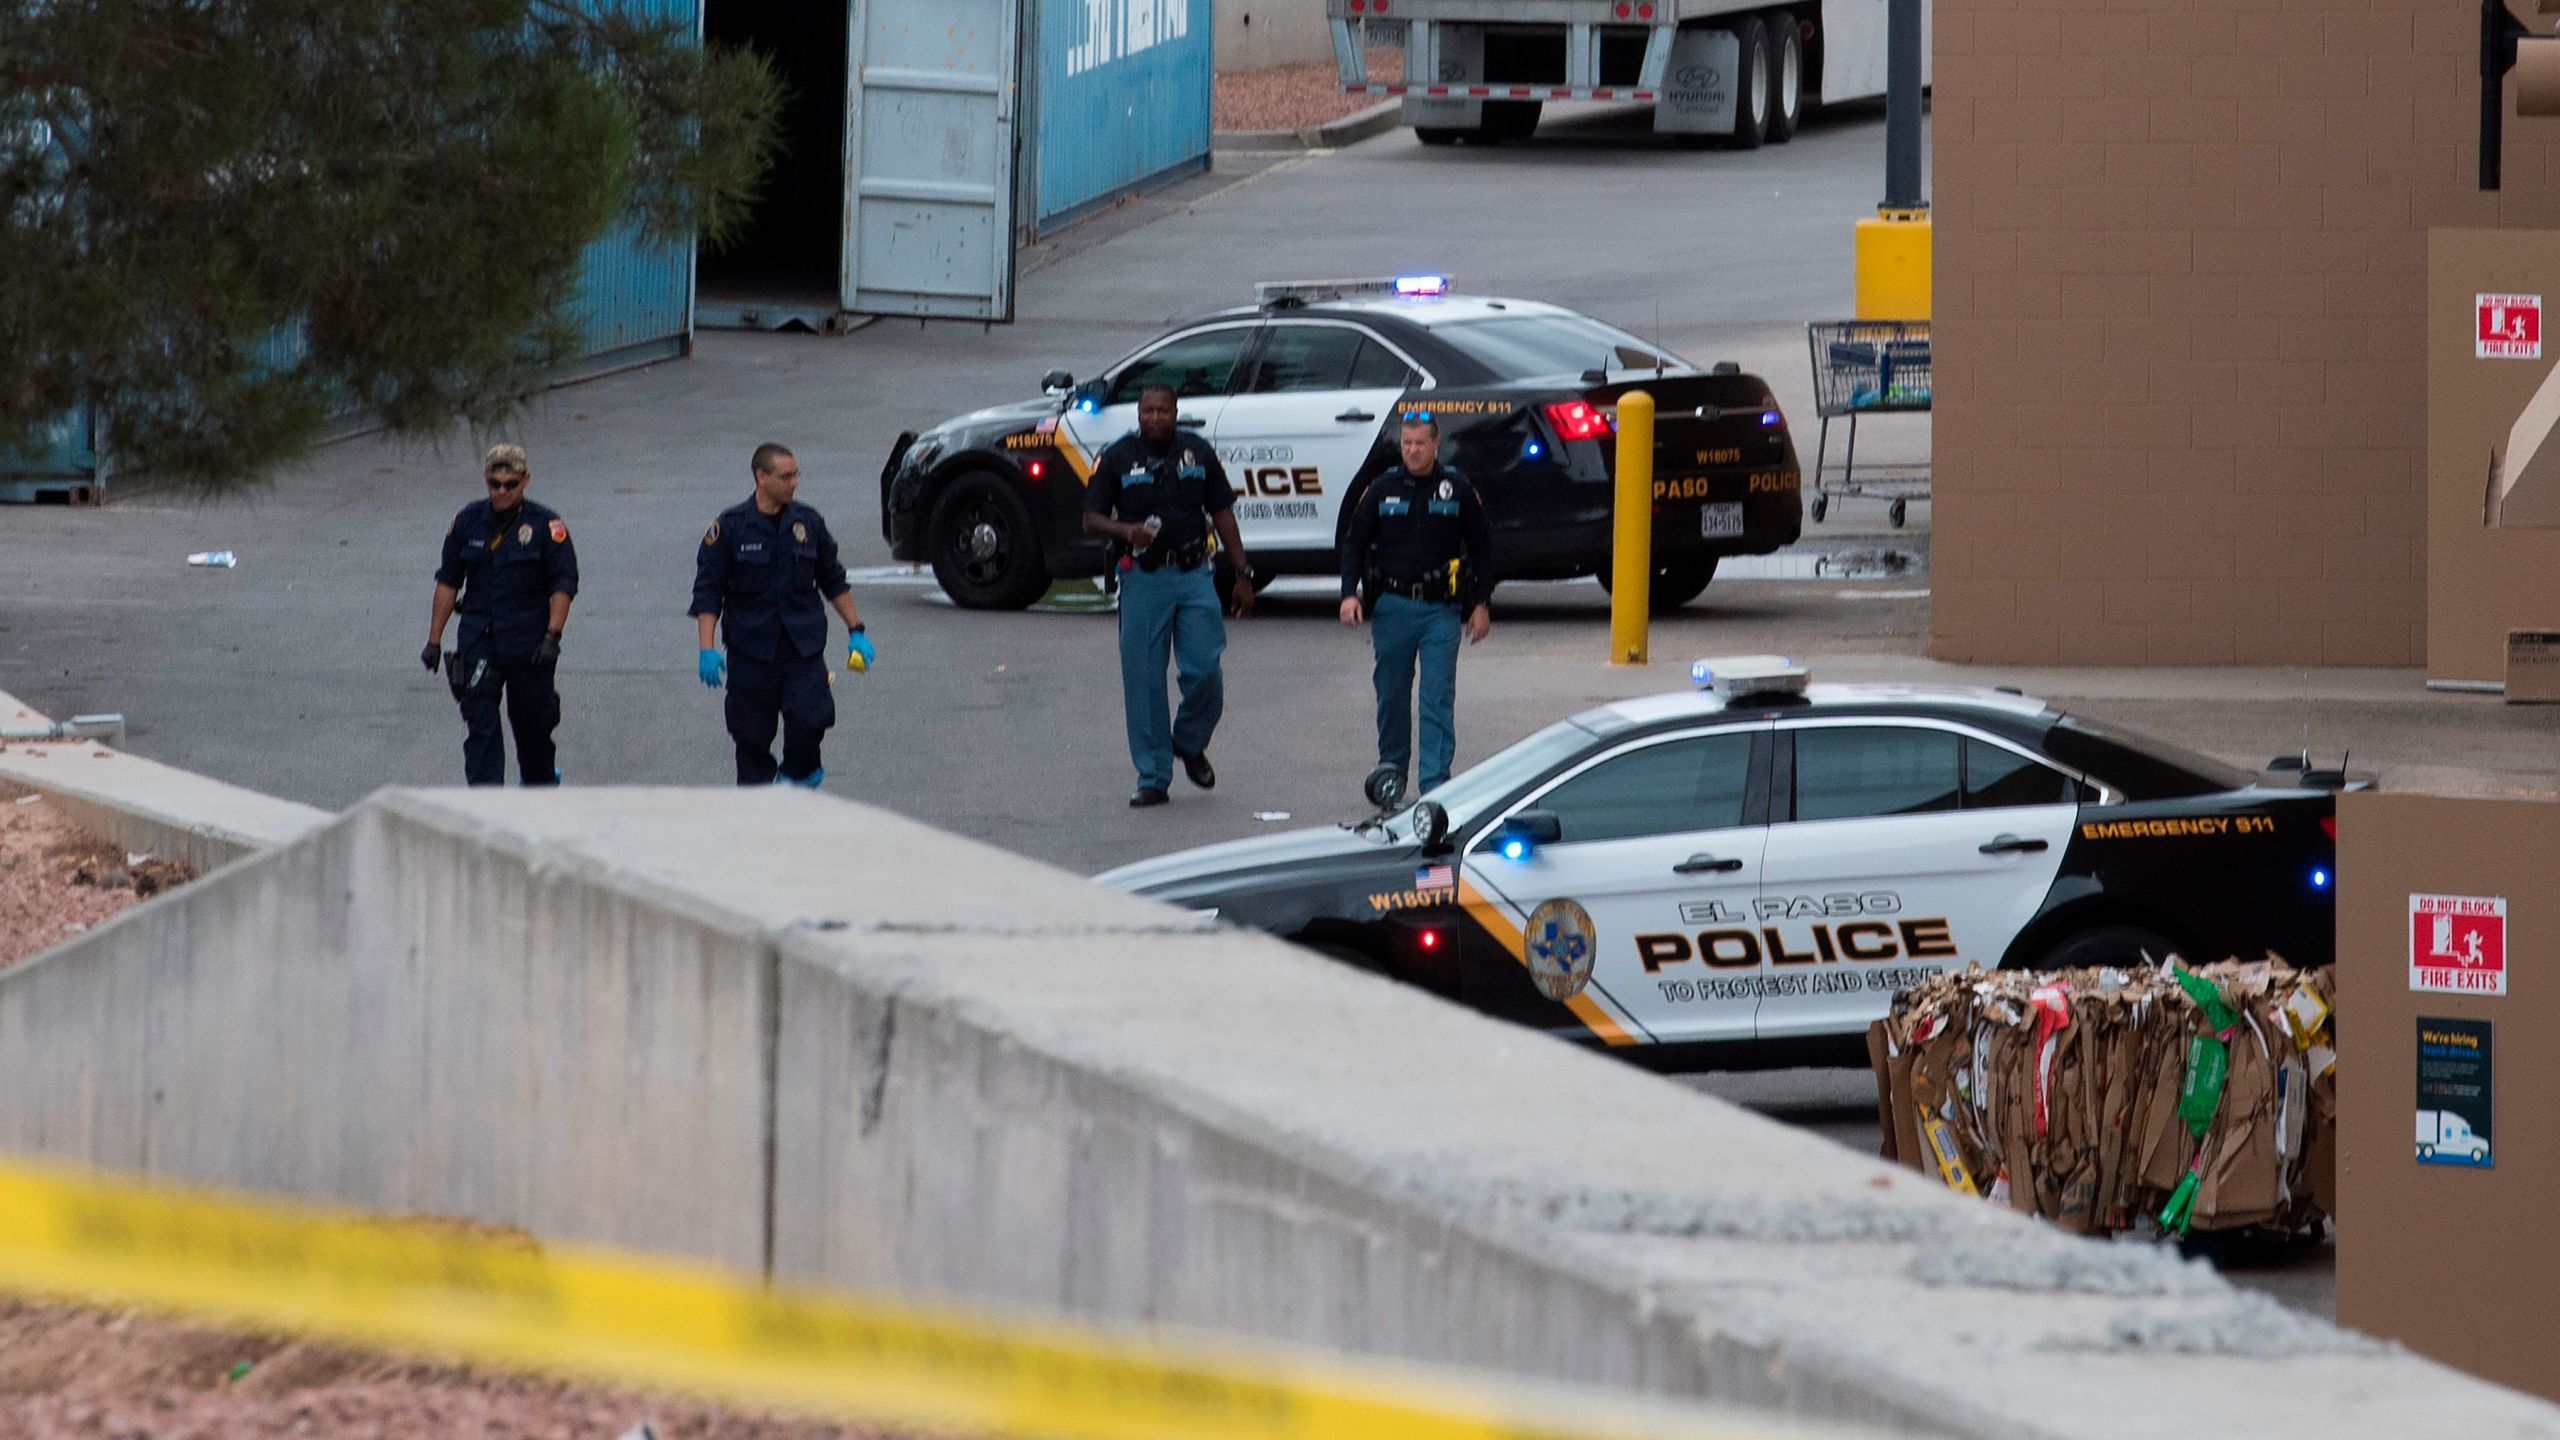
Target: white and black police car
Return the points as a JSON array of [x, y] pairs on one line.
[[1300, 395], [1746, 873]]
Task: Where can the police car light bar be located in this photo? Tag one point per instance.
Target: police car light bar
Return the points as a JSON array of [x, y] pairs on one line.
[[1403, 287], [1731, 676]]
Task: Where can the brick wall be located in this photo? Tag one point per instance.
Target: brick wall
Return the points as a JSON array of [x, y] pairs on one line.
[[2180, 284]]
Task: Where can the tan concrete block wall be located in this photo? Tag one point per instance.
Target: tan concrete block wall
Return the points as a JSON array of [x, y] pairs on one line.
[[1254, 34], [2180, 300]]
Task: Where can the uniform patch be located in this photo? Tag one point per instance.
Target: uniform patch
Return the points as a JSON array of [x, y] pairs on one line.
[[1559, 945], [1447, 490], [524, 534], [799, 532], [559, 532], [712, 535]]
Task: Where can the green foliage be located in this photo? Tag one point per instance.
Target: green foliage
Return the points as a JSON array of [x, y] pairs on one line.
[[225, 220]]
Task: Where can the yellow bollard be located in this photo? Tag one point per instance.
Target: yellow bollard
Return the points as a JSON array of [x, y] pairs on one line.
[[1631, 563]]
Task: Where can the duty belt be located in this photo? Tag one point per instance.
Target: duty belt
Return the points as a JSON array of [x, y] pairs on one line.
[[1189, 557], [1430, 589]]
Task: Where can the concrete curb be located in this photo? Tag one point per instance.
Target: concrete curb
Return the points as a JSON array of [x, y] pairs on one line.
[[1357, 126], [147, 806]]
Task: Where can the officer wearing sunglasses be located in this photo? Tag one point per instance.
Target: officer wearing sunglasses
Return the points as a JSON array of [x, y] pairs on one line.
[[509, 573]]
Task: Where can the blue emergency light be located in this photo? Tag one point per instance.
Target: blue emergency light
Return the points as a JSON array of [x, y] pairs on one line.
[[1515, 848], [1768, 418], [2319, 879], [1410, 287]]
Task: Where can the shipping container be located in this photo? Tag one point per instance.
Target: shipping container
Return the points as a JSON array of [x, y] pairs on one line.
[[929, 138]]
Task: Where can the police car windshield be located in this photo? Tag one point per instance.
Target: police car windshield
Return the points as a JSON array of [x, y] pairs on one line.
[[2143, 767], [1465, 794], [1520, 347]]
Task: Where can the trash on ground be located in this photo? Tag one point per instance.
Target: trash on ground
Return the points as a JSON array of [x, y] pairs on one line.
[[214, 559]]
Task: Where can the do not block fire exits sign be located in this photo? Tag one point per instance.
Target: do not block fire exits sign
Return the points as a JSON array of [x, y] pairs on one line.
[[2458, 944], [2510, 327]]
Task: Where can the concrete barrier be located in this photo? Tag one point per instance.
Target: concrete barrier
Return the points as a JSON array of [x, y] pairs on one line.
[[147, 806], [775, 1028]]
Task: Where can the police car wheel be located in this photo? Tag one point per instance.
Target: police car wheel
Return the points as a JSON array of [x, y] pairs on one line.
[[2118, 945], [986, 554], [1675, 583]]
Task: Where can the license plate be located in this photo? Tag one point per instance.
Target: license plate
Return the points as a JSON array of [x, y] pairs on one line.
[[1716, 521]]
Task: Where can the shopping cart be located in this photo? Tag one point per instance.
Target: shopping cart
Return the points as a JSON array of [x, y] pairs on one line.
[[1868, 367]]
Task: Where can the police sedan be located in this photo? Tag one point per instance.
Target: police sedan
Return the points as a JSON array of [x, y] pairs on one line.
[[1300, 394], [1747, 872]]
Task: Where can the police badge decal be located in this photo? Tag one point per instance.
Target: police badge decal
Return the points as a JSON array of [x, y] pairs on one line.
[[1559, 945]]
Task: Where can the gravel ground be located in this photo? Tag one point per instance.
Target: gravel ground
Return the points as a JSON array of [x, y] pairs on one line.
[[1295, 97], [110, 1375], [56, 881]]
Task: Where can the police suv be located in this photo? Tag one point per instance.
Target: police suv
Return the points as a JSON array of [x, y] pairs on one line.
[[1301, 394], [1746, 873]]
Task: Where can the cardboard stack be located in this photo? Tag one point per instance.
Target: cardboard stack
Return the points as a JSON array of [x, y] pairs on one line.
[[2107, 1100]]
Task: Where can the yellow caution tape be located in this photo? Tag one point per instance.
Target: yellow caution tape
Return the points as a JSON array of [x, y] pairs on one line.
[[508, 1300]]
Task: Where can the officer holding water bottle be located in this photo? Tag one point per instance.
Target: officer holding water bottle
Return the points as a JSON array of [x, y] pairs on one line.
[[759, 577], [1159, 493]]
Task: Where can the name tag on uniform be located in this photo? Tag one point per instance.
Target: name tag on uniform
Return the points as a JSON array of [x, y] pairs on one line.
[[1138, 475], [1444, 507], [751, 547], [1394, 505]]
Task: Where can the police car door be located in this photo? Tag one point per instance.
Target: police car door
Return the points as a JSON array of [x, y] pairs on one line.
[[1898, 848], [1660, 855], [1199, 363], [1303, 422]]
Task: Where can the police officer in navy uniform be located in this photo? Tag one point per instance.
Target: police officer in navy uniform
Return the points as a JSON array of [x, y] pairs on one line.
[[510, 572], [763, 568], [1159, 492], [1416, 563]]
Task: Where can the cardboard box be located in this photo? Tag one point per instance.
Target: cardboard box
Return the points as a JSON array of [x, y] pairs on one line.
[[2533, 667]]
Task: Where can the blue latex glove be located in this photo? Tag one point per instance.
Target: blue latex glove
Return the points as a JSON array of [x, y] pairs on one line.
[[711, 668], [859, 651]]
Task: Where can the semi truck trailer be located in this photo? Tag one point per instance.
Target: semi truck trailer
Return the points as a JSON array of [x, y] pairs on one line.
[[1736, 71]]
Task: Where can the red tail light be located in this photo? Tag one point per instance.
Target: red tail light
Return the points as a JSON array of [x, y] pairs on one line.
[[1579, 420], [2329, 826]]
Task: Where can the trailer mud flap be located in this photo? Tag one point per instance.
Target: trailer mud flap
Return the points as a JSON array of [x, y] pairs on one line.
[[1698, 94]]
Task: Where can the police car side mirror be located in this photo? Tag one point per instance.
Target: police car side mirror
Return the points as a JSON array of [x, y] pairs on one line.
[[1522, 834], [1057, 382], [1431, 826]]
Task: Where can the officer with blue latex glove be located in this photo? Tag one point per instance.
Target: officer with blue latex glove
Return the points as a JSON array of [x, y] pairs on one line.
[[763, 579]]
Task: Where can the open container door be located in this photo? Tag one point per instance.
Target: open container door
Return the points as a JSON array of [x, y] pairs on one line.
[[929, 158]]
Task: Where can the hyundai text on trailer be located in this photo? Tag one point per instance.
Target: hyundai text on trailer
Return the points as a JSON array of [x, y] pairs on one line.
[[1301, 396], [1747, 873], [1739, 70]]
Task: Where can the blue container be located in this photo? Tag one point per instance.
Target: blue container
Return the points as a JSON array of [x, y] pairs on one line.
[[1121, 92], [633, 305]]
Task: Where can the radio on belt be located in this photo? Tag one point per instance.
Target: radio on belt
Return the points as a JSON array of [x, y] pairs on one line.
[[1731, 677]]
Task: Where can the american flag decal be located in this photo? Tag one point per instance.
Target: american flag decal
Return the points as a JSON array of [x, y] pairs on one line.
[[1435, 877]]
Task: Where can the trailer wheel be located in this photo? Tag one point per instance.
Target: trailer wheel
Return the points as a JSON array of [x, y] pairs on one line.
[[1786, 76], [1436, 134], [1751, 85]]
